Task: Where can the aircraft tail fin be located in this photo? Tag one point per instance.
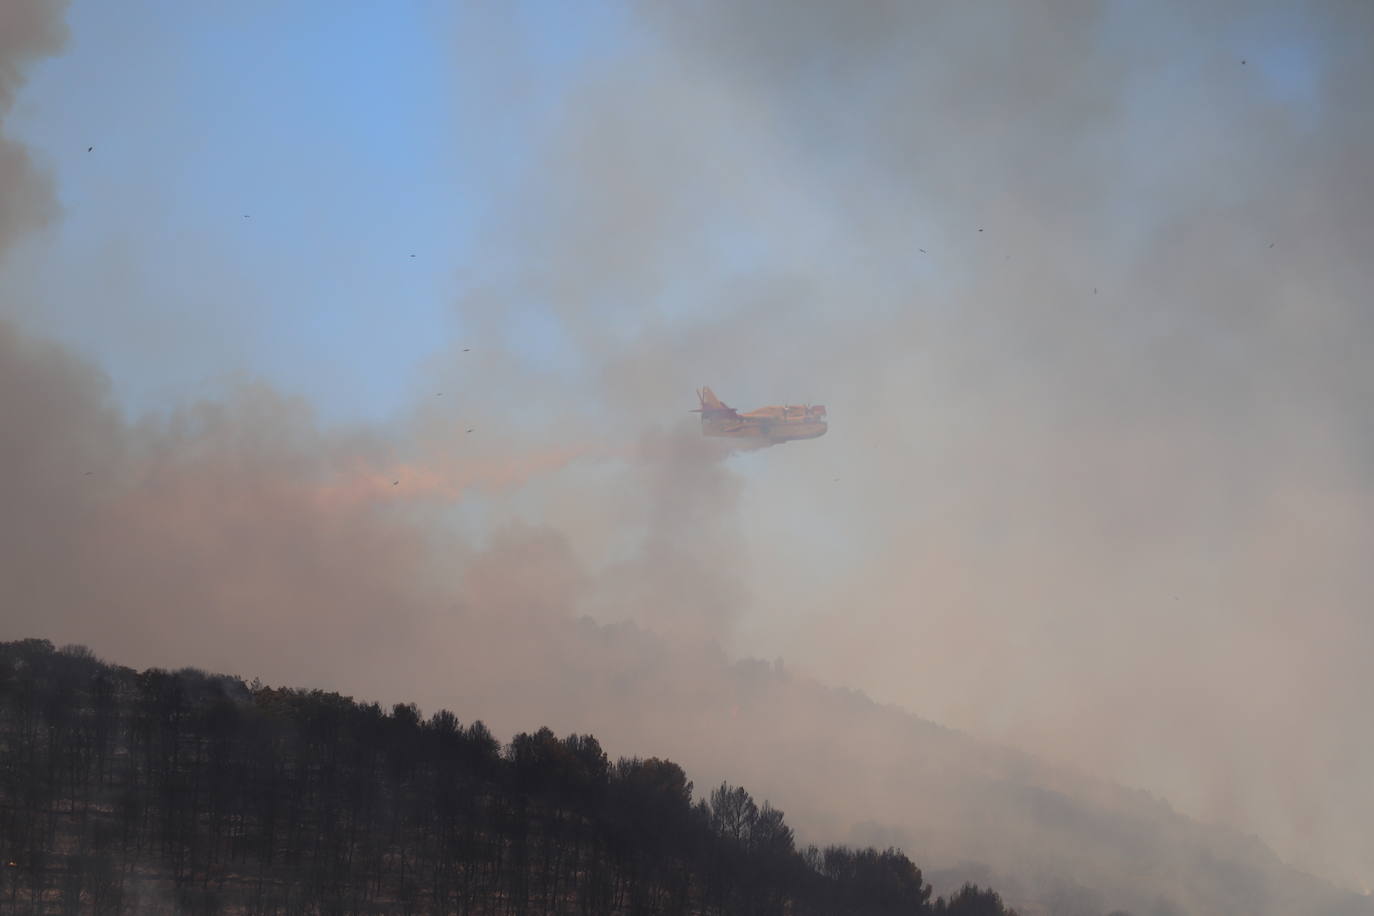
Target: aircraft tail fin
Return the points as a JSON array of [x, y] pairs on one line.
[[710, 404]]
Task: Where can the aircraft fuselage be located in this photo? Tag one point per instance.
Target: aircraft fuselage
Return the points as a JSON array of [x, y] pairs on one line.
[[774, 424], [775, 431]]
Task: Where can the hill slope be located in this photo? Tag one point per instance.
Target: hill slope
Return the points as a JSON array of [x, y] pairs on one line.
[[845, 768], [182, 792]]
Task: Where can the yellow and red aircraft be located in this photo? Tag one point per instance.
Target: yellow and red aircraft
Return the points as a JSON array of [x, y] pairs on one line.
[[775, 424]]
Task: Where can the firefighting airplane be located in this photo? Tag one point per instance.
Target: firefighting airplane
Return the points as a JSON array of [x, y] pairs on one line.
[[775, 424]]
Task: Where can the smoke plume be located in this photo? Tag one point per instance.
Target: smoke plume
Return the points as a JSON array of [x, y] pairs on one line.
[[29, 29]]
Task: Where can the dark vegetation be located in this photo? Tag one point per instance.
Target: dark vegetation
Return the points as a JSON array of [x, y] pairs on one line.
[[157, 791]]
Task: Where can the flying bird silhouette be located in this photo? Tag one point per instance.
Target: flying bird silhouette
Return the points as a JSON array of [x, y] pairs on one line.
[[89, 148]]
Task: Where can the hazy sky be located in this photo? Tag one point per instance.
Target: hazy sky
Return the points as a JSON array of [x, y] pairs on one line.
[[1084, 286]]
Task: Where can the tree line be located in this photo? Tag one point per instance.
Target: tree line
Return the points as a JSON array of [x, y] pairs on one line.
[[182, 792]]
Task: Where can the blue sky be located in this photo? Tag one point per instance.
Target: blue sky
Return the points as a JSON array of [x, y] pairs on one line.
[[263, 175], [305, 185]]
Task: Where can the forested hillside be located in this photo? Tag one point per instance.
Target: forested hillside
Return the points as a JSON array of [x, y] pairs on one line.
[[157, 791]]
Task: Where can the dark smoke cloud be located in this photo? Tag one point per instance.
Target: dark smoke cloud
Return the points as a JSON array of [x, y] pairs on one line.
[[1141, 494], [239, 536], [29, 30]]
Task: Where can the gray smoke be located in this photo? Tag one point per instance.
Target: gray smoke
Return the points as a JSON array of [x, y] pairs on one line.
[[29, 30]]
